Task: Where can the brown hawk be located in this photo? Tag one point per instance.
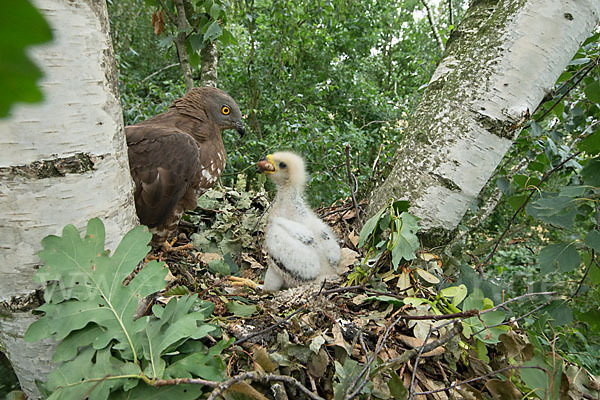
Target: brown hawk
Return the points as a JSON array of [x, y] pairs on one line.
[[176, 156]]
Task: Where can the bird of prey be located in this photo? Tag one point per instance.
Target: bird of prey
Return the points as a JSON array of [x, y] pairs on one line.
[[176, 156], [301, 247]]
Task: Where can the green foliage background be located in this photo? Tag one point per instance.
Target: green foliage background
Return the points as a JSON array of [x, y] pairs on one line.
[[311, 76]]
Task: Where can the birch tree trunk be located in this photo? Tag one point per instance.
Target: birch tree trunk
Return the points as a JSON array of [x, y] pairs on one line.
[[64, 161], [209, 64], [498, 65]]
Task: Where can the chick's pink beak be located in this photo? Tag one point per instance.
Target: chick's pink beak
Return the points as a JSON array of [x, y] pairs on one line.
[[265, 166]]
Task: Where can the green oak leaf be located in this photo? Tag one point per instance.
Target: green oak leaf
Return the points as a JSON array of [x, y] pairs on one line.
[[205, 364], [77, 263], [172, 324], [87, 376], [239, 309]]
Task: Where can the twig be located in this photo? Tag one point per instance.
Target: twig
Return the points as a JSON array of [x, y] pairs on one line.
[[378, 349], [416, 366], [270, 328], [371, 122], [589, 68], [158, 72], [439, 364], [511, 367], [255, 376], [179, 381], [575, 75], [587, 271], [434, 30], [362, 343], [339, 210], [376, 160], [514, 217], [351, 180], [426, 347], [360, 287], [465, 314], [370, 361]]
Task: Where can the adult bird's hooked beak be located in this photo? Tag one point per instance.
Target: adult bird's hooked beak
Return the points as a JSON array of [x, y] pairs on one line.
[[267, 166], [239, 126]]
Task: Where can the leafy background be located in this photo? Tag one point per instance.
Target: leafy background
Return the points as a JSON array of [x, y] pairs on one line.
[[311, 77]]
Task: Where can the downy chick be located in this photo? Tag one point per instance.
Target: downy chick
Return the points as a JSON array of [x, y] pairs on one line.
[[302, 248]]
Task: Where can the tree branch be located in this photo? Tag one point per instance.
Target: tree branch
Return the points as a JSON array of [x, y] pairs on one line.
[[159, 71], [179, 40], [434, 30], [522, 207], [353, 185], [255, 376], [454, 385]]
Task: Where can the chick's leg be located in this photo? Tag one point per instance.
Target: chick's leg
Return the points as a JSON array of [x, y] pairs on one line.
[[238, 281], [273, 281]]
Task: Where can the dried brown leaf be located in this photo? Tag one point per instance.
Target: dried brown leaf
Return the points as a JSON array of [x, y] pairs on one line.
[[245, 389], [503, 390], [250, 260], [158, 22], [338, 338], [415, 342], [348, 258], [205, 258], [353, 237], [317, 365]]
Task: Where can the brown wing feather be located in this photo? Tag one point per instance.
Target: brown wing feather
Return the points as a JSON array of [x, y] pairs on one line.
[[164, 165]]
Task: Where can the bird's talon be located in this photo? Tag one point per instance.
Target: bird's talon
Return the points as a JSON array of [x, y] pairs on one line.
[[169, 248], [150, 257]]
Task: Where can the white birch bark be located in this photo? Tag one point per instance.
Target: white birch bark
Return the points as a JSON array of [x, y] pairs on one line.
[[64, 161], [498, 65], [209, 64]]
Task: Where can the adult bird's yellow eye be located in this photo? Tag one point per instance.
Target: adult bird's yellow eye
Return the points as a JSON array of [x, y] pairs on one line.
[[225, 110]]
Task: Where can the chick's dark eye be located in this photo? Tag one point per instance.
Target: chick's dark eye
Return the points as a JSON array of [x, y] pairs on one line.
[[282, 165], [225, 110]]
